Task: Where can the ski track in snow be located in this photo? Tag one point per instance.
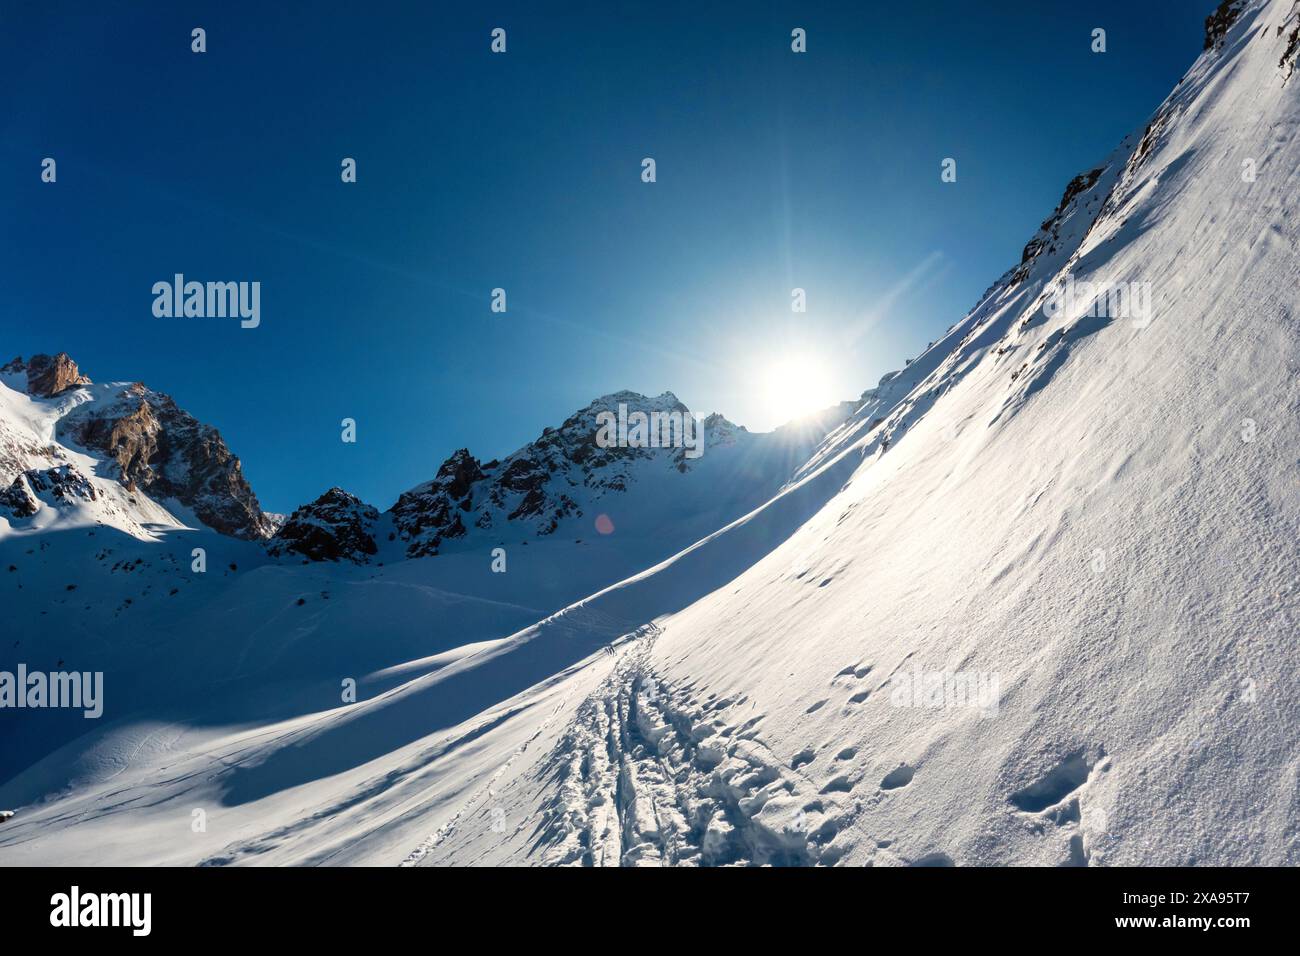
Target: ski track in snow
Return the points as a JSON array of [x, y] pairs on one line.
[[646, 773], [485, 793], [646, 779]]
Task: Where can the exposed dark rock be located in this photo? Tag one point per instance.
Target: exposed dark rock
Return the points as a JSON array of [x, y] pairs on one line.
[[1288, 60], [48, 376], [427, 515], [337, 526], [1049, 232], [18, 498], [1218, 23], [165, 452], [59, 485]]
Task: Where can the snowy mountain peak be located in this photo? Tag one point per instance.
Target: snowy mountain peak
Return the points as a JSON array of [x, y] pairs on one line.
[[56, 423], [572, 473], [635, 400], [337, 526], [536, 487]]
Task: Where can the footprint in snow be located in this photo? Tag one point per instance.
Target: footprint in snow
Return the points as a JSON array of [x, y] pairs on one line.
[[840, 784], [900, 776], [852, 674]]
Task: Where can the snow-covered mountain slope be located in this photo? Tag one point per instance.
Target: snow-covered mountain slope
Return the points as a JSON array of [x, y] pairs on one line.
[[1051, 621], [103, 578], [1033, 602]]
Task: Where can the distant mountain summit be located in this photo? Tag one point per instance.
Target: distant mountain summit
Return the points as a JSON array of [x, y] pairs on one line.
[[128, 456], [626, 453], [548, 480], [121, 431], [595, 458], [336, 526]]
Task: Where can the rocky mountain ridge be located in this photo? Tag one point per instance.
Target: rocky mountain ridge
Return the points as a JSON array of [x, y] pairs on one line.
[[152, 445], [540, 484]]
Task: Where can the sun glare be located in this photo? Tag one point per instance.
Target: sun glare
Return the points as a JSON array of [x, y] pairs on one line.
[[795, 386]]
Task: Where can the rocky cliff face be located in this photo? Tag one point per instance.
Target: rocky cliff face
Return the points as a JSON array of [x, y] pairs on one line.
[[152, 446], [158, 448], [337, 526], [48, 376], [1221, 20], [162, 450], [433, 511]]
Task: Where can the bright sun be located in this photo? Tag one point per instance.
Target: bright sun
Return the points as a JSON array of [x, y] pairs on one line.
[[794, 386]]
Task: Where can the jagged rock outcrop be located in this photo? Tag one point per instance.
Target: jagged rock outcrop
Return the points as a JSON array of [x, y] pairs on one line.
[[18, 499], [1049, 233], [337, 526], [59, 485], [1289, 55], [1220, 21], [48, 376], [538, 486], [162, 450], [428, 514]]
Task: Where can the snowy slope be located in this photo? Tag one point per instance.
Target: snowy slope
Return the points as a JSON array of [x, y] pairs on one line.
[[1093, 517], [1067, 506], [260, 640]]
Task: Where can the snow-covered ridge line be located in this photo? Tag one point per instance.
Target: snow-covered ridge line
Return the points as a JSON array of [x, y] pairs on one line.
[[623, 456]]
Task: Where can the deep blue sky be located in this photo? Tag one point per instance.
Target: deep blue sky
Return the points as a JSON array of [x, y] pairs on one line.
[[522, 171]]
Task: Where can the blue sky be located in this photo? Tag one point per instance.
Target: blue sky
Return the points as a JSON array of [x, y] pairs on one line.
[[522, 171]]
